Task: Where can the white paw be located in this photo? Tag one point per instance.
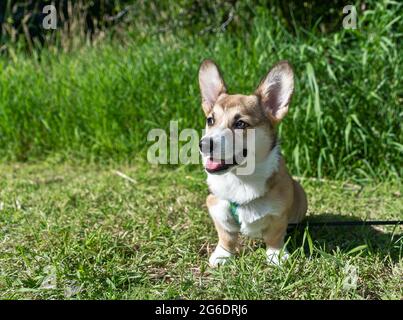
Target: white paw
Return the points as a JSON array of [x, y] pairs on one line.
[[219, 256], [276, 256]]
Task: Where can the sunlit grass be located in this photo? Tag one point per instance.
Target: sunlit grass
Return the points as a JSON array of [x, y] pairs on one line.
[[98, 103], [83, 232]]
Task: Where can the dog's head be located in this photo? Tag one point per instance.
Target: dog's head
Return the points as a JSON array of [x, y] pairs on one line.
[[229, 117]]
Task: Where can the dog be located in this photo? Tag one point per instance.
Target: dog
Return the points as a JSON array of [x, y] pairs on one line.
[[260, 204]]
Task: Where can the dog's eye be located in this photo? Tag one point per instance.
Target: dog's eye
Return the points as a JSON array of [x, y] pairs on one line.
[[210, 121], [240, 124]]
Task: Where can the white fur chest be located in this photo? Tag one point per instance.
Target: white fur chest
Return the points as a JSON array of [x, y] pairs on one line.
[[250, 215], [237, 189], [245, 188], [249, 193]]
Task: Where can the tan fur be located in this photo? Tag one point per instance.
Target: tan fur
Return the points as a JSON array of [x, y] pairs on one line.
[[281, 188], [294, 203]]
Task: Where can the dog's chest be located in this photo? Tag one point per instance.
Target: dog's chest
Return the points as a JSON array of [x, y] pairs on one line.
[[248, 217], [245, 188], [251, 215], [235, 189], [252, 203]]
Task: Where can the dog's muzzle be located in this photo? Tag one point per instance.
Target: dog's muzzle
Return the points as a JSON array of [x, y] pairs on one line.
[[218, 158]]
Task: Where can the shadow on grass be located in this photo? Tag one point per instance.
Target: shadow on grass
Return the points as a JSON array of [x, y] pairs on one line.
[[346, 238]]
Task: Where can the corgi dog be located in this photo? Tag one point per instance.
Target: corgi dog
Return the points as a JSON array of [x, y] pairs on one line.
[[262, 203]]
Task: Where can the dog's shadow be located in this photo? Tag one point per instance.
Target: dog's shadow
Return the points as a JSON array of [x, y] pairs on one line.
[[346, 238]]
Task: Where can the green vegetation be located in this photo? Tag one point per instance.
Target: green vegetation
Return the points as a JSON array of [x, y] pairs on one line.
[[86, 232], [99, 102], [84, 216]]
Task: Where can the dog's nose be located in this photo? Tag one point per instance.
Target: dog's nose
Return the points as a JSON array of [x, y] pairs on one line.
[[206, 145]]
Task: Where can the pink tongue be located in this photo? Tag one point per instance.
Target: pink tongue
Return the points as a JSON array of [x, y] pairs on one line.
[[213, 165]]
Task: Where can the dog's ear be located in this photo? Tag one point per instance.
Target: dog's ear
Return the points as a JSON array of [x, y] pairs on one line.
[[211, 84], [275, 90]]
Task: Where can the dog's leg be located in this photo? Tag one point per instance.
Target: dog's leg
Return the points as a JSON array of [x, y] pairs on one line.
[[226, 247], [226, 229], [274, 236]]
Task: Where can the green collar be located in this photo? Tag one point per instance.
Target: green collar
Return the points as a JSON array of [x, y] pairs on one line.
[[233, 206]]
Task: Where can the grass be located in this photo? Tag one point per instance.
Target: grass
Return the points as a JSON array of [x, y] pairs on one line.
[[73, 115], [74, 231], [99, 102]]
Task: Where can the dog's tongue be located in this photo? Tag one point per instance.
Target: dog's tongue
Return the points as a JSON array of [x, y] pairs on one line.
[[213, 164]]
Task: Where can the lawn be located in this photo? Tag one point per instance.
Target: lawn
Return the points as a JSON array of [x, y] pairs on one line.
[[76, 231], [99, 102], [84, 216]]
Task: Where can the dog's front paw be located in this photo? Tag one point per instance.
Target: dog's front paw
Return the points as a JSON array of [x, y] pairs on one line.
[[276, 256], [219, 256]]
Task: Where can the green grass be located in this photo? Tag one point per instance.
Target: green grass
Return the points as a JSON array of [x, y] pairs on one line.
[[98, 103], [84, 232], [71, 227]]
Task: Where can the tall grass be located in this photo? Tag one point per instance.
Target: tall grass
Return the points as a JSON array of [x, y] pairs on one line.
[[99, 102]]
